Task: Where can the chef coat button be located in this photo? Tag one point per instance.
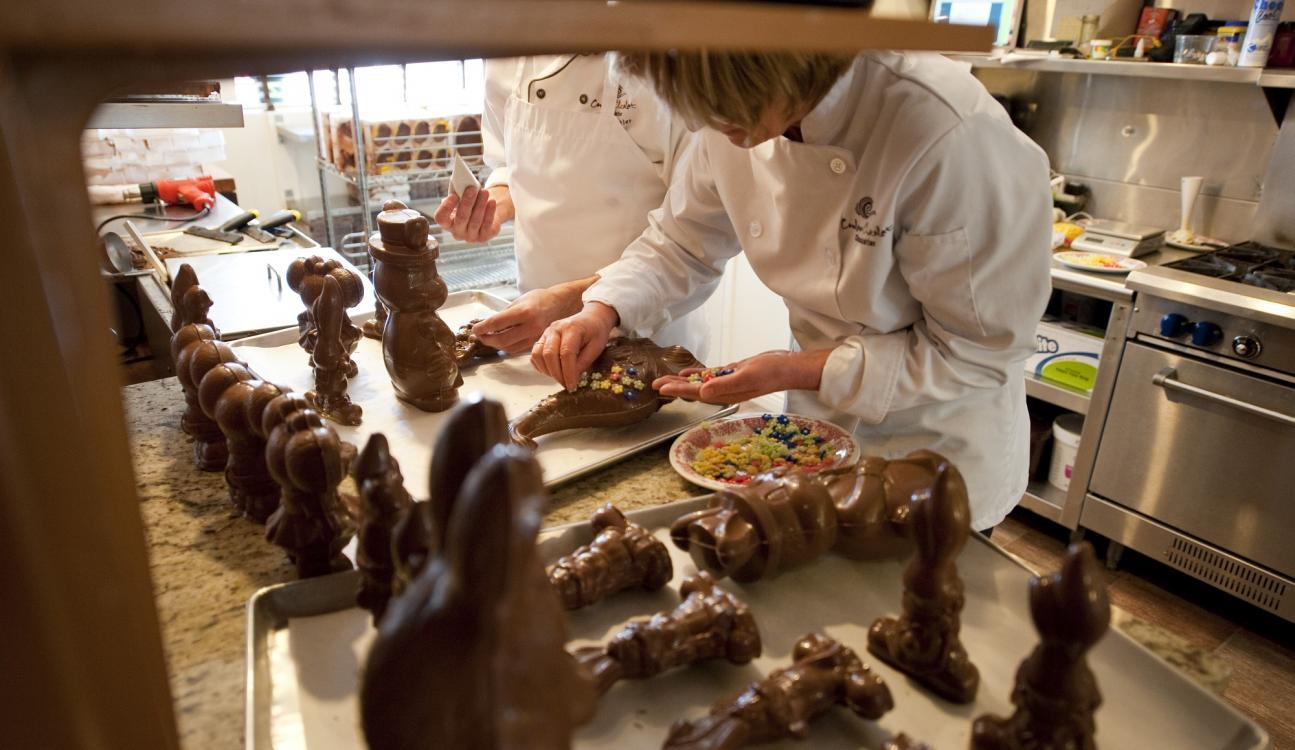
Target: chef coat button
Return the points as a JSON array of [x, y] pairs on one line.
[[584, 98], [539, 94], [756, 229], [838, 165]]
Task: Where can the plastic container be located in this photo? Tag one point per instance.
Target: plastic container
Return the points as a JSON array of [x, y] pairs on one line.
[[1065, 445], [1259, 36], [1193, 48], [1230, 38], [1099, 49]]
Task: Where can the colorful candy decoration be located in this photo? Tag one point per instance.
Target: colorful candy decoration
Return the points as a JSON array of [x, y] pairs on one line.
[[777, 444], [622, 381], [709, 374]]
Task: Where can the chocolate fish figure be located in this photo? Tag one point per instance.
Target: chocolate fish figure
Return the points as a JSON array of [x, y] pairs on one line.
[[306, 278], [755, 531], [189, 302], [710, 623], [468, 349], [304, 456], [923, 641], [622, 556], [331, 356], [617, 391], [382, 498], [470, 655], [1056, 694], [198, 351], [229, 395], [823, 674]]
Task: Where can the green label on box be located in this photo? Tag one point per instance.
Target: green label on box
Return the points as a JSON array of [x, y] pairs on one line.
[[1070, 372]]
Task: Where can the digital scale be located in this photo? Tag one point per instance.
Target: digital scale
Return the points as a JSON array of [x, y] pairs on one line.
[[1118, 238]]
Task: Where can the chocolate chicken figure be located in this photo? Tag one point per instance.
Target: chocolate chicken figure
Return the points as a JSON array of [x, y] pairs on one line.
[[1056, 694], [331, 356], [923, 641], [189, 301], [383, 498], [617, 391], [304, 455], [233, 397], [196, 349], [306, 278], [755, 531], [470, 654], [622, 556], [417, 346], [710, 623], [824, 673]]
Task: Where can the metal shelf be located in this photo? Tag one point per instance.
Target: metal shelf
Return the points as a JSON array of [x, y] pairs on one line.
[[1044, 499], [166, 115], [1071, 399], [1176, 71]]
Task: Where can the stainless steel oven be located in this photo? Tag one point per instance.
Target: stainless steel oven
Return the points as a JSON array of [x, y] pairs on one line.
[[1196, 461]]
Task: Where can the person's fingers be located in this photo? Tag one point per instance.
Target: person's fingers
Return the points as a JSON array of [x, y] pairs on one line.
[[549, 352], [501, 321], [445, 212], [474, 221], [537, 355], [488, 230], [516, 339], [569, 357], [463, 212], [678, 389], [689, 371], [589, 351]]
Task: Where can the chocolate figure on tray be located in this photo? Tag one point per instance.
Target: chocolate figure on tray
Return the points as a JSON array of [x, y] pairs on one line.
[[196, 350], [923, 641], [189, 301], [331, 356], [1055, 693], [383, 498], [306, 278], [470, 654], [417, 346], [755, 531], [617, 391], [622, 556], [710, 623], [468, 349], [823, 674], [233, 397]]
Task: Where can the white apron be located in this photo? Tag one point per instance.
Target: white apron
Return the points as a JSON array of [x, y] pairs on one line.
[[582, 189]]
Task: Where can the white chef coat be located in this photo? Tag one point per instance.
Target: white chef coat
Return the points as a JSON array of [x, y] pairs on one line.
[[583, 176], [908, 233]]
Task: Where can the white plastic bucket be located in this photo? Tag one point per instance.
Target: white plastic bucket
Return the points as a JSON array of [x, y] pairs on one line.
[[1065, 431]]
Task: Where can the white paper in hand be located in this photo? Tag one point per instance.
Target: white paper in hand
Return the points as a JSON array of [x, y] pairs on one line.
[[462, 178]]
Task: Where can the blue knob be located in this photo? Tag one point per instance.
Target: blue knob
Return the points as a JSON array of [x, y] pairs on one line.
[[1206, 334], [1173, 325]]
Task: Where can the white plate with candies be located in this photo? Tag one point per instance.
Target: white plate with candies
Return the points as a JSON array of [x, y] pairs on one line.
[[733, 451]]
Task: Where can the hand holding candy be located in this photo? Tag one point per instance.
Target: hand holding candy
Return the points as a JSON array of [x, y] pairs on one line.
[[750, 378]]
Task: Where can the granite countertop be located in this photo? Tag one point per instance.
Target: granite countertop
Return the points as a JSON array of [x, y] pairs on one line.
[[207, 561]]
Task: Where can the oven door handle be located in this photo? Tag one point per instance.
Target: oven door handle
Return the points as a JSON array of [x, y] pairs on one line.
[[1167, 378]]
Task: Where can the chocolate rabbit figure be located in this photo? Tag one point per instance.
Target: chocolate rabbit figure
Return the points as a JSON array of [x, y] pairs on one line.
[[1056, 694], [417, 346], [470, 655], [923, 642], [383, 498]]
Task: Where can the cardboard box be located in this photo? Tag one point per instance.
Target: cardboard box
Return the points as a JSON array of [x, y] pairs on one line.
[[1066, 353]]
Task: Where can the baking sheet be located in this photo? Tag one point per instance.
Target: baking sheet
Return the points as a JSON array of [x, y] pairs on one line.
[[297, 701], [250, 292], [512, 381]]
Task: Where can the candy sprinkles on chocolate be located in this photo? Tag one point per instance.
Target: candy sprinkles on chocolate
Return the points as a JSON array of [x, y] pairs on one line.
[[622, 381], [777, 444]]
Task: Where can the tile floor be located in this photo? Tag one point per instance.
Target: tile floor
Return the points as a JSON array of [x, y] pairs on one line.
[[1259, 647]]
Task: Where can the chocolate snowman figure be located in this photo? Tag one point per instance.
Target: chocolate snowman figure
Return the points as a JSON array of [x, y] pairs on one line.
[[417, 346]]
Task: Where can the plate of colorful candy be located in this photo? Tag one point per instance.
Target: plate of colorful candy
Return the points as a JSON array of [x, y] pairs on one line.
[[735, 450]]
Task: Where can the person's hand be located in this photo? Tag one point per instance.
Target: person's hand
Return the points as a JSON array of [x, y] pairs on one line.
[[516, 328], [569, 346], [769, 372], [477, 215]]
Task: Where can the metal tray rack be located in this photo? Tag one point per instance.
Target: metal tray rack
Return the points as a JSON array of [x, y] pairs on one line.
[[306, 645]]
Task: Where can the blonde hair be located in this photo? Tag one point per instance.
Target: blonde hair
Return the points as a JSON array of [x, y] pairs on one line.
[[735, 88]]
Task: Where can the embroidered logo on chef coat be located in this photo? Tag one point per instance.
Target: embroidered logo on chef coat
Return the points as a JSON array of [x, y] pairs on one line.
[[867, 233], [864, 207]]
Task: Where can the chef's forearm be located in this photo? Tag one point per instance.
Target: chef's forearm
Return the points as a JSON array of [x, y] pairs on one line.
[[504, 209]]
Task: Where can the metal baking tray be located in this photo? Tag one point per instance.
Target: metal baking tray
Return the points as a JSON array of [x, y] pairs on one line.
[[306, 645], [512, 381]]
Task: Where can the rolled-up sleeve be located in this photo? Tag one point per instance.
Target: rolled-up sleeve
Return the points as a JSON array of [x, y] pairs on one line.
[[676, 261], [499, 76], [975, 219]]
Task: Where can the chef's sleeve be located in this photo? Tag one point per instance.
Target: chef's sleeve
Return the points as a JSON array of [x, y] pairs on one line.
[[500, 74], [677, 261], [973, 219]]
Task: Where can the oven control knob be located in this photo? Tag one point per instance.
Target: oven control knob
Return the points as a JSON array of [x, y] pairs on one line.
[[1173, 325], [1205, 333], [1246, 347]]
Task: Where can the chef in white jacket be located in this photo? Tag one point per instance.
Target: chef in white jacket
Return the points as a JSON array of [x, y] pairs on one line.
[[904, 220], [580, 156]]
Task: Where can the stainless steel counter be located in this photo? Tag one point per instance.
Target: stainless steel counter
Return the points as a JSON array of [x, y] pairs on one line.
[[1109, 286]]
